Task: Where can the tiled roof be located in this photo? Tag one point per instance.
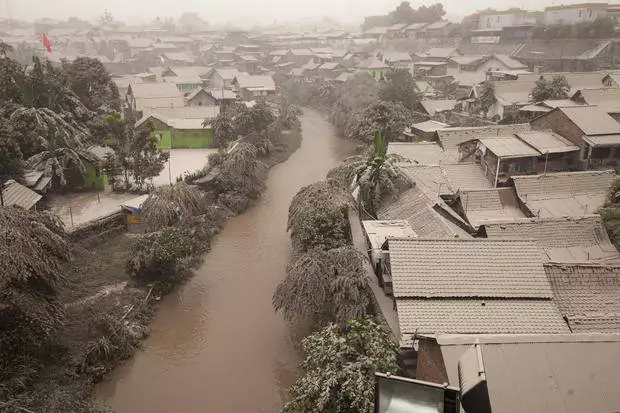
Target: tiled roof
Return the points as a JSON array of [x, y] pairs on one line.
[[416, 208], [429, 179], [474, 268], [587, 295], [424, 153], [607, 98], [478, 317], [488, 205], [509, 62], [256, 81], [564, 193], [552, 232]]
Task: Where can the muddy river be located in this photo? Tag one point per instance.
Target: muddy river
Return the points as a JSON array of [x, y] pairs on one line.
[[216, 344]]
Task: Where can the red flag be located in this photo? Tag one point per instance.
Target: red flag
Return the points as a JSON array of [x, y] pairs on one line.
[[47, 43]]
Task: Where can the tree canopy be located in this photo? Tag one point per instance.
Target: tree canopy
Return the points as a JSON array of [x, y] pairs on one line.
[[610, 212], [92, 83], [339, 366], [400, 87], [389, 117], [556, 88]]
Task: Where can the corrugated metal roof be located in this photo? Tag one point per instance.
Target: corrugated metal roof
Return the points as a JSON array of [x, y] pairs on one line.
[[488, 205], [603, 140], [475, 316], [451, 138], [465, 176], [543, 377], [473, 268], [15, 194], [509, 147], [607, 98], [588, 295], [379, 231], [547, 142], [592, 120], [433, 107]]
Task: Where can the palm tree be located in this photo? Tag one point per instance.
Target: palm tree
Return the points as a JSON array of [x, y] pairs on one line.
[[378, 175]]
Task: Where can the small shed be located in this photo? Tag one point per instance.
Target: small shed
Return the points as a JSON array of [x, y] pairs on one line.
[[15, 194], [133, 214], [425, 130]]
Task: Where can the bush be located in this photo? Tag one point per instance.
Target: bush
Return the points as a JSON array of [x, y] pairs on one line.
[[161, 208], [339, 367], [610, 212], [320, 228], [216, 159], [159, 256]]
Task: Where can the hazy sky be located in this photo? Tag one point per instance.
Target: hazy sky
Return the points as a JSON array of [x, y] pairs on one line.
[[241, 11]]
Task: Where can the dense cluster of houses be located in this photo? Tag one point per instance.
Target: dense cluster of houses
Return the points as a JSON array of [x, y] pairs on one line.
[[497, 257]]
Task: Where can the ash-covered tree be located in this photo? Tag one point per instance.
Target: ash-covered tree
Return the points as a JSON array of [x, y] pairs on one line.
[[33, 250], [400, 87], [169, 205], [339, 366], [11, 159], [91, 82], [251, 120], [378, 176], [557, 88], [359, 91], [324, 286], [391, 118], [223, 129], [487, 97], [447, 89]]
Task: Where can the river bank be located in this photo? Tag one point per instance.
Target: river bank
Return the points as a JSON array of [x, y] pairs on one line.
[[107, 317], [216, 344]]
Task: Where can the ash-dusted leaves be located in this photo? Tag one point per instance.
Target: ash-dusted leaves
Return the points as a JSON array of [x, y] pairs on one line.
[[324, 286], [162, 207], [339, 367]]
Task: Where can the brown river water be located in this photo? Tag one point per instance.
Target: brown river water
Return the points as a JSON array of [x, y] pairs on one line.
[[216, 345]]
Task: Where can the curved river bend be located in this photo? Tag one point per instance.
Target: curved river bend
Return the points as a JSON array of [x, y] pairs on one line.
[[216, 344]]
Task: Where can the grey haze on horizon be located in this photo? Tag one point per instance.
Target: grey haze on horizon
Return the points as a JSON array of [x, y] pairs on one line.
[[243, 12]]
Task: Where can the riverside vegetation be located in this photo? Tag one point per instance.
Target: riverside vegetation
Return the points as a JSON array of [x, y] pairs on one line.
[[68, 313]]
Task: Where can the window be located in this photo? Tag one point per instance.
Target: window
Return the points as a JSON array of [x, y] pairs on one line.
[[498, 19], [579, 13], [590, 13]]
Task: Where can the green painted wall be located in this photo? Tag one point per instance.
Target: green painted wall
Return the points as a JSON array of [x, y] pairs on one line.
[[198, 138], [377, 74], [95, 178]]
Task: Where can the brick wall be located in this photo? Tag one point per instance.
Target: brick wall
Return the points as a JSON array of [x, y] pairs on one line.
[[430, 363], [560, 124]]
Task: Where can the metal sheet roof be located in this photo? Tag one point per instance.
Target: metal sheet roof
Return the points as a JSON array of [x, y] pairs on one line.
[[424, 153], [379, 231], [15, 194], [509, 147], [592, 120], [547, 142], [474, 268], [603, 140]]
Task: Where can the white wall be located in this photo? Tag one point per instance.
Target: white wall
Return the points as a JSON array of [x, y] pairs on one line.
[[498, 21], [573, 15]]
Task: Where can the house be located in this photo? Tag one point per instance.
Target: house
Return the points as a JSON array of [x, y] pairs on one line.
[[330, 70], [436, 30], [146, 96], [587, 295], [590, 128], [374, 67], [95, 177], [451, 138], [395, 31], [438, 54], [606, 98], [566, 55], [535, 373], [574, 13], [470, 286], [425, 130], [179, 58], [248, 63], [586, 242], [16, 195], [254, 87], [563, 194], [377, 232], [437, 108], [299, 56], [397, 60], [413, 30], [182, 128], [221, 78], [211, 97], [431, 71], [502, 157], [480, 206], [508, 18], [421, 153]]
